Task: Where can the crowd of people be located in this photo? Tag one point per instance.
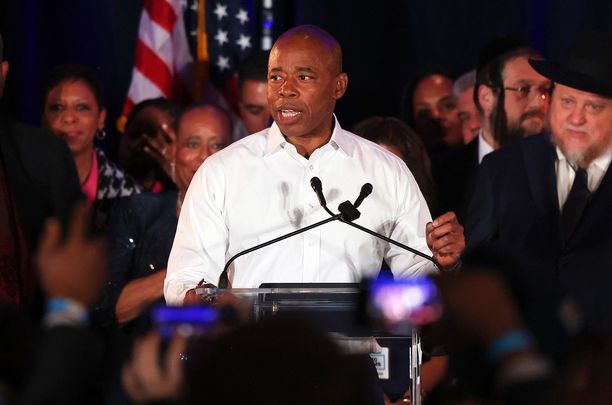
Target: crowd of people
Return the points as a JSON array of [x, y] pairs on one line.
[[500, 177]]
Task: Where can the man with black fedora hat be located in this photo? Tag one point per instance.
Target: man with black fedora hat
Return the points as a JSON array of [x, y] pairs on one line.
[[545, 203]]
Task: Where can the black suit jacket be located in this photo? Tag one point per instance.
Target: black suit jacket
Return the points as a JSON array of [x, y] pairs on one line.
[[454, 175], [514, 211], [41, 173]]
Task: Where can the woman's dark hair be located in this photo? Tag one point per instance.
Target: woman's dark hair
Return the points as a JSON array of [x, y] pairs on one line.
[[394, 132], [407, 105], [72, 73], [159, 103], [201, 104]]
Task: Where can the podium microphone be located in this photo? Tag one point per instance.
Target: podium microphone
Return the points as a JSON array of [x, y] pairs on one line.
[[316, 185], [366, 190], [349, 212]]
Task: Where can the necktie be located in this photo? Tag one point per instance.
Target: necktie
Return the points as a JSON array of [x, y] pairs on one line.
[[575, 204]]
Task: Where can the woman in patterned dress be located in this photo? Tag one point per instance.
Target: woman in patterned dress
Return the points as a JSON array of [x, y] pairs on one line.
[[73, 109]]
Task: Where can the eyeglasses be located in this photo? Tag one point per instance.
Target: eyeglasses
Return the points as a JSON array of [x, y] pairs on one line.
[[523, 92]]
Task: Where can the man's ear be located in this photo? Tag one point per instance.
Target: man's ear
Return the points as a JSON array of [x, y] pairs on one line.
[[486, 98], [341, 83]]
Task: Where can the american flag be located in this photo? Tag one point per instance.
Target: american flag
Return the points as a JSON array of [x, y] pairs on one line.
[[173, 32], [231, 27], [162, 54]]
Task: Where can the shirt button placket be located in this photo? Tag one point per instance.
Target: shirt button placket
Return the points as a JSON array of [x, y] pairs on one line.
[[310, 246]]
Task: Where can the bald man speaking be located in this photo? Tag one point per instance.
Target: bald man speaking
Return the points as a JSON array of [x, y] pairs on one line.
[[259, 188]]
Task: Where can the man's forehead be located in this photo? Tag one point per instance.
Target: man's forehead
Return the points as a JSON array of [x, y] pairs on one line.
[[309, 50], [567, 90], [300, 44], [518, 68], [299, 59]]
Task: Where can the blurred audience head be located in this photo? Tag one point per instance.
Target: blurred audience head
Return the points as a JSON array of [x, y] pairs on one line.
[[463, 89], [201, 130], [433, 110], [398, 138], [146, 120], [510, 95], [276, 361], [252, 90], [73, 106]]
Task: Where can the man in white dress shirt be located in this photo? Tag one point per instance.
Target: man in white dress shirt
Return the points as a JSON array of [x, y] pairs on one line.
[[259, 188]]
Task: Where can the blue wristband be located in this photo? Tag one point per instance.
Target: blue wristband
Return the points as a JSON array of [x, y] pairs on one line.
[[64, 310], [512, 341]]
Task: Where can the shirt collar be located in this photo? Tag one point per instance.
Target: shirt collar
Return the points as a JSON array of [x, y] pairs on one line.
[[602, 162], [339, 139], [483, 147]]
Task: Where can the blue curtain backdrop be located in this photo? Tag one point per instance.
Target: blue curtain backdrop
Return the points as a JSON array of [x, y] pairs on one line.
[[385, 42]]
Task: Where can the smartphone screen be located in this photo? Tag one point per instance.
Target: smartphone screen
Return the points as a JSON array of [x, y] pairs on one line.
[[409, 302], [187, 321]]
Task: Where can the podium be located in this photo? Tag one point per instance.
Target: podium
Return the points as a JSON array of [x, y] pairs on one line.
[[335, 308]]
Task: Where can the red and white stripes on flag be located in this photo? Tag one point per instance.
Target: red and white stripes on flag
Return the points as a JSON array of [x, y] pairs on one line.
[[162, 54]]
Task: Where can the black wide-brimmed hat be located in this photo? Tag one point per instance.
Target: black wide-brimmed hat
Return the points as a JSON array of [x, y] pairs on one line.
[[588, 67]]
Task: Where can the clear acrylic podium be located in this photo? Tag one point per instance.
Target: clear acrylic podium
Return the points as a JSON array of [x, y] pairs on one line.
[[333, 307]]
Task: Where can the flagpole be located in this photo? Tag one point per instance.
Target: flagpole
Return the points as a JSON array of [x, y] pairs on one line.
[[202, 58]]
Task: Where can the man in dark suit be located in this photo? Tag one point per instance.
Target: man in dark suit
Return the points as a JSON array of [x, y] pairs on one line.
[[37, 180], [511, 99], [545, 202]]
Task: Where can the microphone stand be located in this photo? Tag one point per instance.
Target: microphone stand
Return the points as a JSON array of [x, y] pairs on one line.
[[393, 242], [224, 278], [349, 213]]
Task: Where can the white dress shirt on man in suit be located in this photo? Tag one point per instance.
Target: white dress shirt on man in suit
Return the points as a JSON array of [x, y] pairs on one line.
[[566, 174]]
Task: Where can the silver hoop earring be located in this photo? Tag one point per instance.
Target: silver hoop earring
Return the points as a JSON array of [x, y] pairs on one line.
[[100, 134]]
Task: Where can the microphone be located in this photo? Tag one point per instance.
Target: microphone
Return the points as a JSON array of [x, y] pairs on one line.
[[316, 185], [349, 212], [366, 190]]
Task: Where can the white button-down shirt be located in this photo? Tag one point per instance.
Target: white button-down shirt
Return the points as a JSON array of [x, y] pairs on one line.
[[259, 188], [566, 174]]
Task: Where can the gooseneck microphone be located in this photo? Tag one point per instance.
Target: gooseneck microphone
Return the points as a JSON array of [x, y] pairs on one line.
[[366, 190], [349, 212], [316, 185]]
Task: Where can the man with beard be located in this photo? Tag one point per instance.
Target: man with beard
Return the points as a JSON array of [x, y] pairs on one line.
[[545, 202], [512, 100], [510, 95]]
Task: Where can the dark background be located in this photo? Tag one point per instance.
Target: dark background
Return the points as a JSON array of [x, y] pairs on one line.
[[385, 42]]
